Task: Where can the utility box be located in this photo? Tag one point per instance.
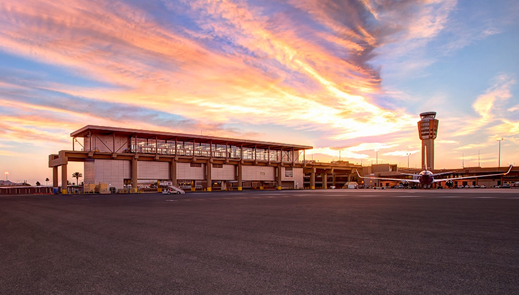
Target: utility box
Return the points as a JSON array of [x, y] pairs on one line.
[[102, 188], [89, 188]]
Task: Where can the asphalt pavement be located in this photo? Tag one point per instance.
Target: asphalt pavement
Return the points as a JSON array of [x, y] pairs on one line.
[[262, 242]]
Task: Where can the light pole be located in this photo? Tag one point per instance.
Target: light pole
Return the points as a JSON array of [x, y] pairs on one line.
[[499, 159], [408, 154], [376, 151], [6, 175]]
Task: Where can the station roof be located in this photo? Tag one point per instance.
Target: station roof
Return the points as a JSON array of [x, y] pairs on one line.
[[104, 130]]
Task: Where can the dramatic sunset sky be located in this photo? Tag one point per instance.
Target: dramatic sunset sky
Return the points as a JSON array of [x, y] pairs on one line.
[[339, 75]]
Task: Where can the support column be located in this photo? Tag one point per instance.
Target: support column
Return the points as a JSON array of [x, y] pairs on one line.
[[64, 179], [55, 176], [312, 179], [279, 178], [333, 178], [208, 169], [134, 175], [240, 176], [324, 177], [173, 172]]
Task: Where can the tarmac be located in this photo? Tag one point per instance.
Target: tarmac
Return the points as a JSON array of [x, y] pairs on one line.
[[457, 241]]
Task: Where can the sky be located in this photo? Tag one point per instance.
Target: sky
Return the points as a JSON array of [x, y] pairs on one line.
[[348, 77]]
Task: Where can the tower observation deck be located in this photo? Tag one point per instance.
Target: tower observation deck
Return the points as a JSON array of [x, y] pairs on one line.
[[428, 130]]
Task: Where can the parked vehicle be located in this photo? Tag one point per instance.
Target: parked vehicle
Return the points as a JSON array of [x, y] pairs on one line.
[[351, 185], [168, 190]]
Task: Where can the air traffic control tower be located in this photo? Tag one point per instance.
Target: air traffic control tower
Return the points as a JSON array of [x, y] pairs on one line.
[[428, 130]]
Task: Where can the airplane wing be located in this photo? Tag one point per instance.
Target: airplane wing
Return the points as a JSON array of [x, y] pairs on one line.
[[442, 173], [479, 176], [394, 179], [409, 174]]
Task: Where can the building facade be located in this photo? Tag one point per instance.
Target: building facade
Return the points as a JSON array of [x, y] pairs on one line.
[[125, 158]]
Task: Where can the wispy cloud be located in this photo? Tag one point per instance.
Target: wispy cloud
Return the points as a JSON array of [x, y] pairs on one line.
[[489, 104], [234, 63]]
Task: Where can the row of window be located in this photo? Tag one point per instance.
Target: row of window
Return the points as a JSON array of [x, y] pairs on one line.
[[152, 146]]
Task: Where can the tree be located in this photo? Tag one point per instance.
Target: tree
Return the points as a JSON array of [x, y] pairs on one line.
[[77, 175], [37, 183], [47, 181]]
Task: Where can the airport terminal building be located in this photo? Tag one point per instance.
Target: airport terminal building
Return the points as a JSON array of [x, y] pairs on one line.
[[125, 158], [129, 159]]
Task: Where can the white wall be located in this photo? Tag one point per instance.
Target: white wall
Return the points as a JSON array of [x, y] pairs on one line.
[[297, 176], [89, 171], [185, 171], [251, 173], [225, 173], [111, 172], [152, 170]]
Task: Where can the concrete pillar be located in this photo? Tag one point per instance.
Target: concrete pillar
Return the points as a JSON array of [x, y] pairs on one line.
[[333, 178], [428, 154], [55, 176], [173, 172], [279, 178], [134, 175], [240, 176], [64, 179], [312, 179], [325, 180], [208, 178]]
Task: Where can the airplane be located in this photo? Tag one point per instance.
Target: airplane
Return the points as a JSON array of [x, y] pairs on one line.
[[426, 177]]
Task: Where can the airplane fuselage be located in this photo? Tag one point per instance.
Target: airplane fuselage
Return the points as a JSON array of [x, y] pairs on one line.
[[426, 177]]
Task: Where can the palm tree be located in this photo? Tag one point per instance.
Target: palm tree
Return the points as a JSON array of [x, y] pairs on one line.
[[77, 175], [47, 181]]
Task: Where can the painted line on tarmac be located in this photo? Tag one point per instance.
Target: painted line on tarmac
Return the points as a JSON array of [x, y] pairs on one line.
[[364, 196]]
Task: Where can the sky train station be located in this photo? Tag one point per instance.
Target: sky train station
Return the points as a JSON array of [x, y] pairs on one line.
[[123, 158]]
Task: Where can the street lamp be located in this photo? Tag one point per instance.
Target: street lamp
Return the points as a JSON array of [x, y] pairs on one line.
[[499, 161], [408, 154], [376, 151], [6, 175]]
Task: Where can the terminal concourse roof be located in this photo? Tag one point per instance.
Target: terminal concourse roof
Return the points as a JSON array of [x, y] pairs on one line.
[[104, 130]]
